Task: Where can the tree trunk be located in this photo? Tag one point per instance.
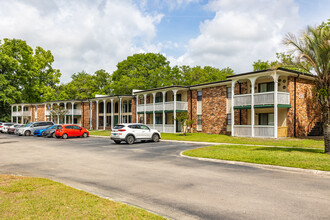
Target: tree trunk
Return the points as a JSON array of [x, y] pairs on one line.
[[326, 131]]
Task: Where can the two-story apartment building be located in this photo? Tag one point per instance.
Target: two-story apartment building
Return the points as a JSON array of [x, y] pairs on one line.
[[268, 103]]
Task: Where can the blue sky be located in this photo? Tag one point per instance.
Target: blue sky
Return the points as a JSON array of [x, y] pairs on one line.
[[97, 34]]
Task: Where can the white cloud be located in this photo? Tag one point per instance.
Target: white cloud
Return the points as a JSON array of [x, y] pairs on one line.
[[87, 35], [240, 33]]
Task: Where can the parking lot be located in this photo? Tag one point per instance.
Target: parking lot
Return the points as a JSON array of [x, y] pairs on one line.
[[154, 176]]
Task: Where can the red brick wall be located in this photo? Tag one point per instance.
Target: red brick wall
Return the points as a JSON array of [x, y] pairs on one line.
[[243, 88], [244, 116], [193, 111], [94, 115], [33, 113], [307, 108], [214, 110], [85, 114], [41, 112], [134, 110]]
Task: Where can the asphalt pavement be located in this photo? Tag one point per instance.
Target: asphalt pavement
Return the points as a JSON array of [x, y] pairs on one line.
[[154, 176]]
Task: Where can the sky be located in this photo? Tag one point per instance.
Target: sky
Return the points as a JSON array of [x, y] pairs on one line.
[[97, 34]]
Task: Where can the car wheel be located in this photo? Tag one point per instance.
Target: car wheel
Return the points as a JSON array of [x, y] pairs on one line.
[[155, 138], [117, 142], [53, 135], [130, 139], [85, 135], [27, 133], [65, 136]]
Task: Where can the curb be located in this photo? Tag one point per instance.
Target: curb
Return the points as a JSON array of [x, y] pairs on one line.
[[262, 166]]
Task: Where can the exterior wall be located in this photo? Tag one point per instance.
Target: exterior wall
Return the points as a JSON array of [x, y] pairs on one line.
[[41, 112], [134, 119], [94, 115], [214, 117], [193, 110], [307, 109], [241, 116], [85, 115]]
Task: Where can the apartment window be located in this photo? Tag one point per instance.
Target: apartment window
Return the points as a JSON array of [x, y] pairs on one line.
[[75, 106], [26, 109], [266, 119], [158, 97], [158, 119], [229, 92], [199, 120], [125, 106], [228, 119], [116, 107], [109, 107], [178, 97], [199, 95], [266, 87], [101, 107]]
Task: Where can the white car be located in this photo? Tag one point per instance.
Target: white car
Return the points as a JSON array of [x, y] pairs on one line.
[[133, 132], [4, 127]]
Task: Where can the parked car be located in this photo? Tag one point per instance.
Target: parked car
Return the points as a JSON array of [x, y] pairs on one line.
[[50, 131], [11, 129], [39, 132], [69, 130], [133, 132], [29, 128], [4, 127]]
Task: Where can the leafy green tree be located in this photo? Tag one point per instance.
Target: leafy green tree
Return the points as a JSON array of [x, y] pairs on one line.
[[26, 74], [58, 112], [140, 71], [183, 118], [312, 49]]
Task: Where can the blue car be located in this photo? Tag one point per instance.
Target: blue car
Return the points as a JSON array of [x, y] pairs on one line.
[[38, 132]]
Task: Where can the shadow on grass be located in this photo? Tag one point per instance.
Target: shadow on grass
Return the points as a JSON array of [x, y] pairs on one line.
[[318, 151]]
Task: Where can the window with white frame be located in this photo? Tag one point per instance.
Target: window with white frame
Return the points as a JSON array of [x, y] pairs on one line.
[[199, 122], [229, 92], [199, 95], [228, 119]]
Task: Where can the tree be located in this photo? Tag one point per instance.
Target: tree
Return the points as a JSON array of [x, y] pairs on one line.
[[313, 49], [26, 75], [140, 71], [183, 118], [58, 112]]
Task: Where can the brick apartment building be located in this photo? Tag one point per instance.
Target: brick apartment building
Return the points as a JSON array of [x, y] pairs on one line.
[[267, 103]]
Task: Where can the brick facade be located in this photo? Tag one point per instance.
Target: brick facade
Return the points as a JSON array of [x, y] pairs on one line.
[[134, 119], [214, 110], [307, 109], [85, 114], [193, 112], [94, 115], [41, 112]]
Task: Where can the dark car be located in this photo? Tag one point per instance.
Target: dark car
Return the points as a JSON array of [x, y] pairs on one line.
[[50, 131]]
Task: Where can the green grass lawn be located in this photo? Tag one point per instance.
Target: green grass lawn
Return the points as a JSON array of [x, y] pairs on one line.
[[288, 142], [100, 132], [289, 157], [38, 198]]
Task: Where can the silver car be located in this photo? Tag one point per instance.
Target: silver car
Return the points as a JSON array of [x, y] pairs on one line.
[[29, 128], [4, 127]]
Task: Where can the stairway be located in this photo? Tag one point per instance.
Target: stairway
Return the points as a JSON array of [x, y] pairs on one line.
[[317, 130]]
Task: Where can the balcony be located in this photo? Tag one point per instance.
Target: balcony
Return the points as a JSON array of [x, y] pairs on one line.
[[265, 98], [25, 113], [259, 131], [75, 112], [169, 128], [169, 106]]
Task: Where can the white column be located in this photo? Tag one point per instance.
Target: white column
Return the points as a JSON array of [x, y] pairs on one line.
[[145, 109], [104, 114], [174, 109], [137, 104], [22, 118], [253, 80], [153, 110], [275, 76], [51, 115], [65, 112], [45, 111], [232, 107], [120, 110], [112, 114], [97, 114], [72, 115], [164, 94], [90, 115], [16, 113], [58, 117], [11, 114]]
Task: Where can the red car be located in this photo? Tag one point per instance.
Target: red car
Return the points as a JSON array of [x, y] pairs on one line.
[[66, 131]]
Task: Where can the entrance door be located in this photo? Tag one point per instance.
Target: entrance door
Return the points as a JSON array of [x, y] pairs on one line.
[[115, 119]]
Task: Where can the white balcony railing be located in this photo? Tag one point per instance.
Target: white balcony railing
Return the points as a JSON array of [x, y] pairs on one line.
[[242, 100], [75, 112], [259, 130], [264, 98], [25, 113], [242, 130], [263, 131], [169, 106]]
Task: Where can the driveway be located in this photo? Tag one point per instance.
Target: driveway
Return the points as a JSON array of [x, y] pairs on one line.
[[153, 176]]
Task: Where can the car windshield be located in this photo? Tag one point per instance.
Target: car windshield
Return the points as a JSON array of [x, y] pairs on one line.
[[28, 125], [118, 126], [59, 127]]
